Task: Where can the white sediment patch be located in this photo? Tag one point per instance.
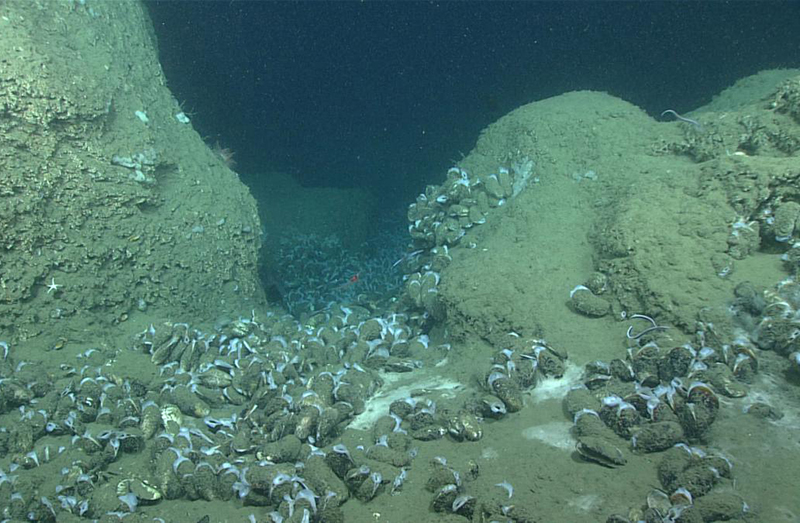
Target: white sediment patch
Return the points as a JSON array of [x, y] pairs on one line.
[[399, 386], [490, 453], [586, 502], [556, 434], [552, 388]]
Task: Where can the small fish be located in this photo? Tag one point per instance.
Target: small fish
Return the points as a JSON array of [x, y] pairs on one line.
[[351, 281]]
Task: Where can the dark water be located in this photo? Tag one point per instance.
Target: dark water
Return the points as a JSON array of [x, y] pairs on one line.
[[387, 95]]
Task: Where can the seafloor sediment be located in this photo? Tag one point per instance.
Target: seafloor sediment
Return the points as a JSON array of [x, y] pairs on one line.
[[594, 317]]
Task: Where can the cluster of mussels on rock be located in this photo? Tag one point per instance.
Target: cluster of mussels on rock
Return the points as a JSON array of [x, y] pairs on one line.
[[773, 316], [253, 409], [515, 369], [440, 218], [313, 269], [243, 412], [690, 474], [60, 432], [441, 214], [454, 494], [663, 400], [250, 412]]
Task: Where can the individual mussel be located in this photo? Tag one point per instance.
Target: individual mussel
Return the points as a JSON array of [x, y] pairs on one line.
[[676, 362], [600, 450], [699, 410], [464, 426], [505, 387], [645, 361]]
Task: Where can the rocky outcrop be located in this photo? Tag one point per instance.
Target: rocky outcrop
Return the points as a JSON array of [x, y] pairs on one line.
[[110, 202]]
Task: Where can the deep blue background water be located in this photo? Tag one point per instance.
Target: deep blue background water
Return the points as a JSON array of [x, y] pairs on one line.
[[388, 95]]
